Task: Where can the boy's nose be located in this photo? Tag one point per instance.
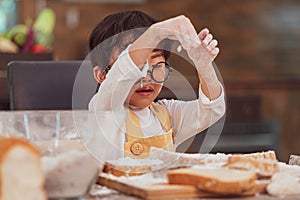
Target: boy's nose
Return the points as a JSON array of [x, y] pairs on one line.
[[147, 78]]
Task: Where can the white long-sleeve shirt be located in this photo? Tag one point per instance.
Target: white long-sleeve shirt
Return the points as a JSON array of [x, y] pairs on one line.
[[187, 117]]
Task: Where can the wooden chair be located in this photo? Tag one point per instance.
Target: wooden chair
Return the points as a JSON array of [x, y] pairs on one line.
[[5, 58]]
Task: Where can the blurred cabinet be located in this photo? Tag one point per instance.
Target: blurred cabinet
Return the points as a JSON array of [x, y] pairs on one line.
[[280, 102], [261, 114]]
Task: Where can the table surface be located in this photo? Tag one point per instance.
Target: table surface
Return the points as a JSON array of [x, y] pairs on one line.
[[103, 193], [97, 192]]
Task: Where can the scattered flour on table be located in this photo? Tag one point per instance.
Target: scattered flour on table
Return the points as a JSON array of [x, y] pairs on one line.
[[286, 181], [126, 161], [145, 179]]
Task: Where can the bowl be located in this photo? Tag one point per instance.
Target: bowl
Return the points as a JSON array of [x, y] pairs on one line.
[[69, 169]]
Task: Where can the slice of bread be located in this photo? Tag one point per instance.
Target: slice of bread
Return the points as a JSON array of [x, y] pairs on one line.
[[216, 180], [21, 174], [176, 159], [264, 163], [125, 170], [269, 155], [129, 166]]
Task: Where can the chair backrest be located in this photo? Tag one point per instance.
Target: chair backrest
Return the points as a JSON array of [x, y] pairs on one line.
[[47, 85], [5, 58]]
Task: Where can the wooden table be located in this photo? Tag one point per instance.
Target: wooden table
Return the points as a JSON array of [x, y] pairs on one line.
[[99, 192]]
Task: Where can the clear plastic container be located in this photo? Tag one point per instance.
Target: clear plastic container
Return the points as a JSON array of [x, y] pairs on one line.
[[70, 170]]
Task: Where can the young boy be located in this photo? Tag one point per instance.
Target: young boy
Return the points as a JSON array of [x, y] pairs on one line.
[[131, 72]]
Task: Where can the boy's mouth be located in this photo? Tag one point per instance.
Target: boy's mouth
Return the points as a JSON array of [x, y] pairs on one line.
[[144, 91]]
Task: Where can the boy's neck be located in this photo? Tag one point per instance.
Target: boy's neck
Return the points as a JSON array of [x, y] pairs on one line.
[[135, 108]]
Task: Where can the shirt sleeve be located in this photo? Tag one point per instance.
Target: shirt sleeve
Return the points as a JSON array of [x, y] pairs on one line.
[[114, 90], [191, 117]]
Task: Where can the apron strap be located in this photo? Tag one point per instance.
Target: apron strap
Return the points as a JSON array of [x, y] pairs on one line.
[[159, 111], [162, 115], [133, 126]]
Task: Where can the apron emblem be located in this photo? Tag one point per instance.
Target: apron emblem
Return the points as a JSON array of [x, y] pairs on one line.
[[136, 148]]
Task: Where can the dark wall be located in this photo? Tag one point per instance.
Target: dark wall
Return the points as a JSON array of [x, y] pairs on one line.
[[256, 38]]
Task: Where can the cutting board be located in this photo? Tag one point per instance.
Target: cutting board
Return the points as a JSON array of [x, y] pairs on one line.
[[153, 191], [164, 190]]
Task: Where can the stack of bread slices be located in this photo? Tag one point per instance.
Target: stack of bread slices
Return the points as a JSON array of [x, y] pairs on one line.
[[240, 175], [218, 174]]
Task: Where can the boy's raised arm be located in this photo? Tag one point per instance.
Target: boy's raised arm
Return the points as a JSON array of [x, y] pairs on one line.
[[201, 49]]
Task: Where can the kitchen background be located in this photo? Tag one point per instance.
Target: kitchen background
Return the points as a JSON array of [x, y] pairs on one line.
[[259, 42]]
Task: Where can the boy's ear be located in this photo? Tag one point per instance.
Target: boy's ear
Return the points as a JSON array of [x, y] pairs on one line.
[[98, 75]]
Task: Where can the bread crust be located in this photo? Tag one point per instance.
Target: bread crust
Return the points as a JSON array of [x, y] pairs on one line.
[[8, 144], [204, 180], [269, 155], [124, 170], [126, 166]]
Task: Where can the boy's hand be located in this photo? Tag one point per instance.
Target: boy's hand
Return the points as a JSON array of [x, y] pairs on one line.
[[178, 28], [208, 43], [202, 55]]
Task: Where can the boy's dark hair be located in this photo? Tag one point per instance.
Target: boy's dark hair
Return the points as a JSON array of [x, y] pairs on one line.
[[109, 31]]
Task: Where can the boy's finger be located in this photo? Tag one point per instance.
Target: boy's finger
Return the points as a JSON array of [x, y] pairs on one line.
[[215, 51], [207, 39], [212, 44], [203, 33]]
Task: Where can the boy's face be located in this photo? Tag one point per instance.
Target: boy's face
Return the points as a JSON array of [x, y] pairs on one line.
[[143, 93]]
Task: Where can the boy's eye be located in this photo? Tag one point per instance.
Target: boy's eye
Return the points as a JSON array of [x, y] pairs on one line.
[[156, 60], [157, 56]]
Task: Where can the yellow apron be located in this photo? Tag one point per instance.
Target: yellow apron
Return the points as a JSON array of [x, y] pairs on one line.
[[137, 146]]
